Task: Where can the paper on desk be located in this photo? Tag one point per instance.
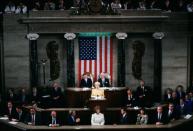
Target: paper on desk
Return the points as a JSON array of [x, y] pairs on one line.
[[188, 116], [13, 122], [4, 118]]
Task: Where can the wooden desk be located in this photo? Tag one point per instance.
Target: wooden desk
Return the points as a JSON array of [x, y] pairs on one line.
[[78, 97], [100, 102], [181, 124]]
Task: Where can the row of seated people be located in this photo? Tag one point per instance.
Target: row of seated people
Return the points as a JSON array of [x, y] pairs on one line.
[[33, 117], [165, 5], [142, 97]]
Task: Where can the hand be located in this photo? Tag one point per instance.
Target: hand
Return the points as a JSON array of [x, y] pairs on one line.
[[158, 123], [14, 120], [77, 120], [29, 123]]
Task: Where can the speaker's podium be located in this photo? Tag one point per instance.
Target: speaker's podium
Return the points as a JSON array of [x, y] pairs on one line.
[[97, 101]]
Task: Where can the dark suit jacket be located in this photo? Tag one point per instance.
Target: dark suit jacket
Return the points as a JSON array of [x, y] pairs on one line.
[[25, 100], [37, 119], [131, 102], [105, 83], [163, 119], [83, 83], [182, 94], [146, 100], [173, 115], [71, 121], [35, 98], [166, 99], [22, 117], [13, 113], [124, 120]]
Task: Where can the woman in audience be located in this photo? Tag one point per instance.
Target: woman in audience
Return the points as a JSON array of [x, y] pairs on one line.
[[97, 118], [97, 92], [142, 117]]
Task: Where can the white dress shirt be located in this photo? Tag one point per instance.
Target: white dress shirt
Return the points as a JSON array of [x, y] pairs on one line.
[[97, 119]]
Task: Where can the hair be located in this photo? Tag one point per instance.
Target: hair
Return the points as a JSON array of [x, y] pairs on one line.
[[97, 107], [124, 109]]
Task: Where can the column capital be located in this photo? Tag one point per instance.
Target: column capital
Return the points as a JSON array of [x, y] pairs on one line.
[[121, 35], [69, 36], [158, 35], [32, 36]]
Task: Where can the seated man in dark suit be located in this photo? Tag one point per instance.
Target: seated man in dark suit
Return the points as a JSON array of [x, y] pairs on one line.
[[54, 120], [20, 115], [104, 82], [143, 95], [33, 117], [56, 95], [130, 100], [10, 111], [172, 113], [72, 118], [86, 81], [123, 118], [160, 118]]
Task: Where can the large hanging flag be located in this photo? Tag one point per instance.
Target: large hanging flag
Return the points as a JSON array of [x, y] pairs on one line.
[[95, 55]]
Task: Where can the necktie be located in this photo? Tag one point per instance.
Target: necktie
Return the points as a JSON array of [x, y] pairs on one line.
[[53, 121], [33, 119]]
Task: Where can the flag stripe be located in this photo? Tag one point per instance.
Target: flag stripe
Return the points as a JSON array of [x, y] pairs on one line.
[[108, 54], [111, 58], [100, 56], [105, 55]]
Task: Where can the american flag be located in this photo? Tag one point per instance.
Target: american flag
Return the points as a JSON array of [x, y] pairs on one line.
[[95, 55]]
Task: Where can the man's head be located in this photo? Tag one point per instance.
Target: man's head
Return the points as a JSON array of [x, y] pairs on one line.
[[171, 107], [85, 76], [159, 109], [142, 82], [102, 75], [174, 95], [19, 109], [9, 104], [53, 114], [129, 91], [32, 111], [123, 111]]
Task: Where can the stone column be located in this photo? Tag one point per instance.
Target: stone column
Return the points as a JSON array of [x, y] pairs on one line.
[[32, 37], [121, 59], [69, 43], [158, 36]]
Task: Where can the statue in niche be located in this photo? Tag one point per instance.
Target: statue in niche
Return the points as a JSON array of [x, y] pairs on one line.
[[139, 51], [52, 53]]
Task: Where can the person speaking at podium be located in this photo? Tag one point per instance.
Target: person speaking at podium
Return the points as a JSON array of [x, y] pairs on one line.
[[96, 92]]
